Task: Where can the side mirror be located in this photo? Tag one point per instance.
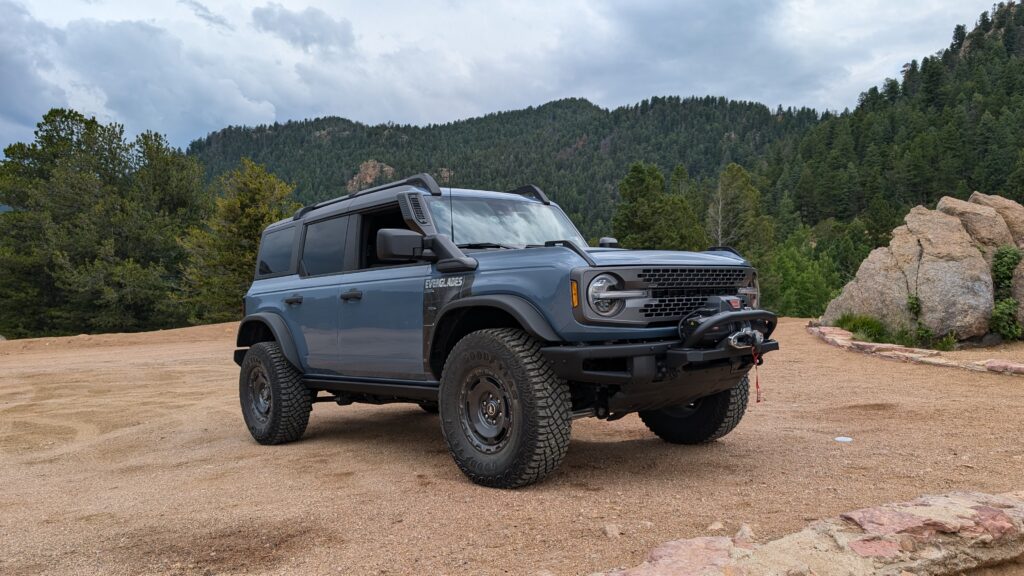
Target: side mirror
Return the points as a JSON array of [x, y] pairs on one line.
[[400, 244], [608, 242]]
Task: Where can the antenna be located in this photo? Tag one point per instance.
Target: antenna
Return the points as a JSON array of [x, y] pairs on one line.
[[451, 212], [448, 179]]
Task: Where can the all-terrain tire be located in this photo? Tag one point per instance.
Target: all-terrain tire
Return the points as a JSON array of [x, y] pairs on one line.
[[275, 402], [706, 420], [526, 435]]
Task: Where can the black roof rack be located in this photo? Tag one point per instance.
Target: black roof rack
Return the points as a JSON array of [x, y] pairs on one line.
[[531, 190], [423, 180]]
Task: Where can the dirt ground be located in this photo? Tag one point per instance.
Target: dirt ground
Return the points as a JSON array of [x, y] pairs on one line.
[[126, 454], [1012, 351]]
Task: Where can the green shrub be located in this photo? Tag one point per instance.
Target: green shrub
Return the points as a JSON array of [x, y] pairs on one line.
[[946, 343], [904, 337], [871, 329], [923, 337], [1004, 319], [1004, 263], [914, 306], [864, 327]]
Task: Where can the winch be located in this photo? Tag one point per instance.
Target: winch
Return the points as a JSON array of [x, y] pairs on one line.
[[738, 334]]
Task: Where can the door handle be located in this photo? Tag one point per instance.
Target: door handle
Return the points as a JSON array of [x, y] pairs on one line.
[[352, 295], [296, 299]]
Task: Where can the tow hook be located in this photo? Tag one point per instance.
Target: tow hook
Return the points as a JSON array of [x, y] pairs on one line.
[[746, 338]]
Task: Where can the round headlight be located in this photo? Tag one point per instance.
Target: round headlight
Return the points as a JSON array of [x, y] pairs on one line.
[[752, 292], [597, 295]]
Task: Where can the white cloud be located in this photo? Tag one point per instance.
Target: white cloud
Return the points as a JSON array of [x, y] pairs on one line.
[[305, 29], [193, 66]]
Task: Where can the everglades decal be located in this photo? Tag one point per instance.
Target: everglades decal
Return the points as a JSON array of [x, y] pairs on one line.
[[445, 282], [438, 293]]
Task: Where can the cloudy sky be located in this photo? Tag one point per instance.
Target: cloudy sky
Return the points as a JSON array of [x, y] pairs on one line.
[[188, 67]]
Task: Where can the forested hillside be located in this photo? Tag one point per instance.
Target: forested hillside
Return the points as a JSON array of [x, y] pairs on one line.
[[952, 124], [574, 150]]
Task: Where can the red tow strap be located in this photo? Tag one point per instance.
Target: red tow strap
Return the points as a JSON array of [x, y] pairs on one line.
[[757, 377]]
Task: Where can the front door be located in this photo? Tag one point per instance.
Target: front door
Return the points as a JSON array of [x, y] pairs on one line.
[[381, 322]]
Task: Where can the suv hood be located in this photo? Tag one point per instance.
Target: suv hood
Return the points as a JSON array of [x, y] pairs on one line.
[[497, 259], [615, 257]]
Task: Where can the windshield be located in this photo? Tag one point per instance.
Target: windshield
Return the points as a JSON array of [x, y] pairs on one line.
[[503, 222]]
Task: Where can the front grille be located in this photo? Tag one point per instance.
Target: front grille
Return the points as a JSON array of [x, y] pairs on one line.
[[693, 277], [676, 292], [677, 304]]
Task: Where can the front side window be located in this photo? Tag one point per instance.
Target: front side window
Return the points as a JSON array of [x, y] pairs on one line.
[[509, 222], [323, 251], [275, 256]]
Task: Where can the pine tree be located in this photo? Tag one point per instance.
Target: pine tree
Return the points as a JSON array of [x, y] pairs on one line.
[[91, 242], [222, 252], [647, 217], [734, 212]]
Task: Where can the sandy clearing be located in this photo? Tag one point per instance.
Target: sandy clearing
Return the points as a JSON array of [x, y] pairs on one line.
[[126, 454]]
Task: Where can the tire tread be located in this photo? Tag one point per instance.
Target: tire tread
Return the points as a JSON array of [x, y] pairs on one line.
[[548, 397], [718, 417], [288, 423]]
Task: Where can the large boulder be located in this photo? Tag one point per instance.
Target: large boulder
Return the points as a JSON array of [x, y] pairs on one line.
[[983, 223], [1012, 213], [933, 258], [880, 289]]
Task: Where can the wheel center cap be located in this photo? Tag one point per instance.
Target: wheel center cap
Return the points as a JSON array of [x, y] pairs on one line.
[[490, 408]]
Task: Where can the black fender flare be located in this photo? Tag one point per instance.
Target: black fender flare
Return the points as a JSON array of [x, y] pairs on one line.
[[277, 326], [518, 307]]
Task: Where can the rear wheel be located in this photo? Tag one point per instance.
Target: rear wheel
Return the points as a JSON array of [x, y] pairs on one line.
[[505, 416], [704, 420], [275, 402]]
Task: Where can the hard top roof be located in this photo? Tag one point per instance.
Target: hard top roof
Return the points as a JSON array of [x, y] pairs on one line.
[[387, 193]]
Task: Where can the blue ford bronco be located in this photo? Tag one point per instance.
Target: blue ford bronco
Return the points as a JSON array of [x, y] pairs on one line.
[[490, 308]]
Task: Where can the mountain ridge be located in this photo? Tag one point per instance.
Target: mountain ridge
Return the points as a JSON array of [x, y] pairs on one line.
[[571, 147]]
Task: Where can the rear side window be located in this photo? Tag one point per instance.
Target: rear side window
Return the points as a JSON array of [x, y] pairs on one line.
[[324, 248], [276, 252]]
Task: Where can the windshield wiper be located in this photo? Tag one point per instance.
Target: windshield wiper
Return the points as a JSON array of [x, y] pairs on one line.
[[472, 245]]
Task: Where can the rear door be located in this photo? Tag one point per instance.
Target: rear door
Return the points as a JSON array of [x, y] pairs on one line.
[[314, 308], [381, 312]]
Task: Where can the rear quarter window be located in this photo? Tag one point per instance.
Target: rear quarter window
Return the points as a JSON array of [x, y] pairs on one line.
[[275, 255], [324, 248]]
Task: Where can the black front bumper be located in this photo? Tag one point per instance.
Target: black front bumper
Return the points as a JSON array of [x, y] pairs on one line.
[[642, 361], [645, 375]]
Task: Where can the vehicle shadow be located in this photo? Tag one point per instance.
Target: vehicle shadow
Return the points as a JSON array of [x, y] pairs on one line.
[[405, 431], [403, 427]]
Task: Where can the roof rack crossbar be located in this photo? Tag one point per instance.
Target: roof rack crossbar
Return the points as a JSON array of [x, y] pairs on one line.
[[423, 180], [531, 190]]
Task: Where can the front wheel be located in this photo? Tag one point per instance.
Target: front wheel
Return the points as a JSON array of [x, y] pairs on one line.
[[701, 421], [275, 402], [505, 416]]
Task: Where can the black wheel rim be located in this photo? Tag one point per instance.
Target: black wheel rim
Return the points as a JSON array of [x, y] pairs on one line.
[[683, 410], [486, 412], [261, 399]]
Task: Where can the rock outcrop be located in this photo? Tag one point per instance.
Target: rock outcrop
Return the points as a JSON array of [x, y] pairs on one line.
[[930, 536], [370, 172], [983, 223], [934, 259], [1012, 213]]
